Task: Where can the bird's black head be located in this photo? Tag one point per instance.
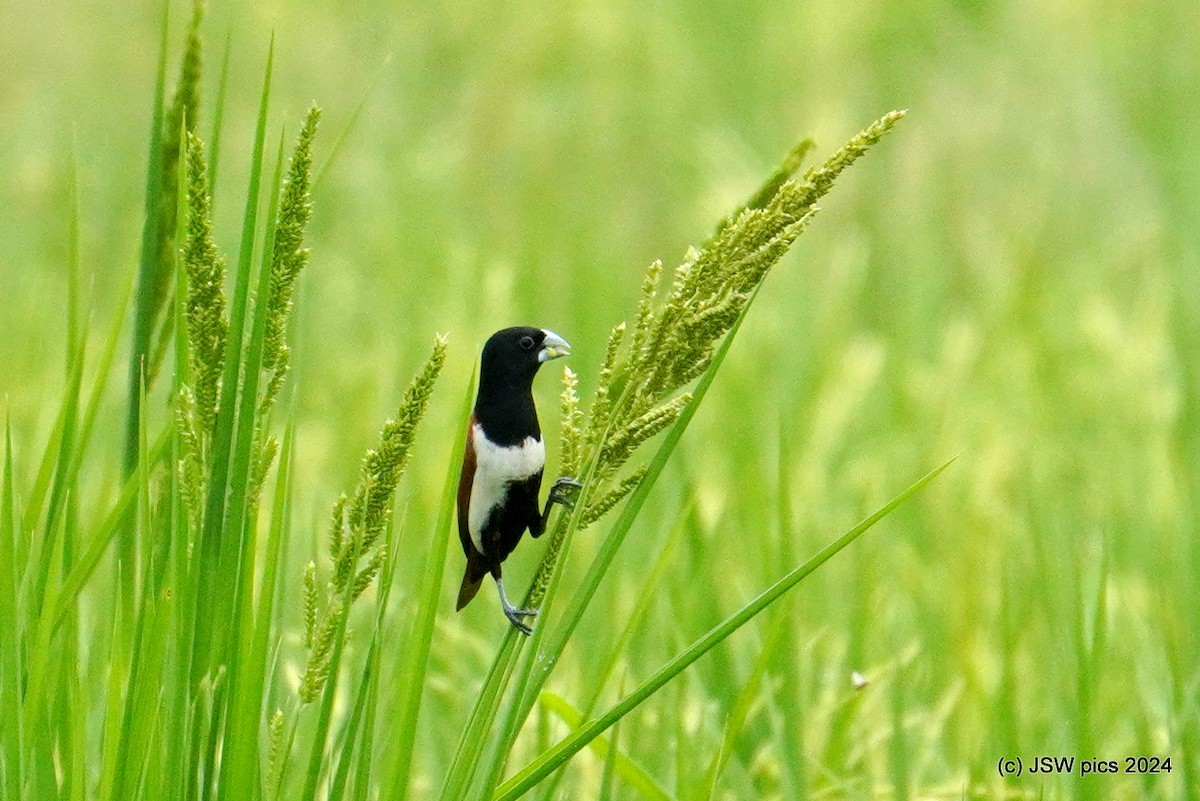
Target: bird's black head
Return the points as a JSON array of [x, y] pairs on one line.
[[512, 356]]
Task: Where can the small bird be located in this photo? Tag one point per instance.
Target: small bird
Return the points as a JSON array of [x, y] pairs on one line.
[[503, 461]]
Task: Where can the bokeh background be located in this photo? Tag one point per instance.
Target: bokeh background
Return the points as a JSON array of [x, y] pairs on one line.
[[1013, 276]]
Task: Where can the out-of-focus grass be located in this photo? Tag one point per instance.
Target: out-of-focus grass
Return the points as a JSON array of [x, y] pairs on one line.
[[1015, 277]]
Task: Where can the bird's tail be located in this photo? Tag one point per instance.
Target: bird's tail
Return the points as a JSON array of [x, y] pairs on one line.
[[472, 581]]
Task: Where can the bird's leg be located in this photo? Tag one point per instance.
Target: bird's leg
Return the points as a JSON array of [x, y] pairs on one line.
[[561, 492], [513, 613]]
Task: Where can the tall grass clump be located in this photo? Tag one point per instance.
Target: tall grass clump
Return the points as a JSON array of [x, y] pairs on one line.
[[680, 335], [161, 689]]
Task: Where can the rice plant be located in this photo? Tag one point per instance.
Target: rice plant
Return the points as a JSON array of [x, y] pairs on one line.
[[228, 582]]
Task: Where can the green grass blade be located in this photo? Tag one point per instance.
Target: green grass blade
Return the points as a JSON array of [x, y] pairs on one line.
[[100, 380], [366, 748], [100, 540], [11, 667], [119, 635], [240, 753], [416, 655], [214, 525], [39, 692], [75, 347], [62, 481], [76, 760], [648, 598], [483, 715], [740, 712], [568, 747], [143, 653], [143, 327], [239, 548], [47, 469], [630, 771], [364, 697], [608, 777], [340, 142]]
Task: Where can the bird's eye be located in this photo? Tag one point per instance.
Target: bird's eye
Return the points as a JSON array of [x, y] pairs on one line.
[[527, 343]]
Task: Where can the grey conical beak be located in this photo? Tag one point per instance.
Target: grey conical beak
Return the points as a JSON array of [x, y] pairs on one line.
[[553, 346]]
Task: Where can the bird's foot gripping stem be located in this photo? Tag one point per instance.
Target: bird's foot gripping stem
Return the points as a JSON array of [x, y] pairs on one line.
[[515, 614], [563, 492]]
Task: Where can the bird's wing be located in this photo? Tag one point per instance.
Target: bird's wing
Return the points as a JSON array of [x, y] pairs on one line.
[[466, 481]]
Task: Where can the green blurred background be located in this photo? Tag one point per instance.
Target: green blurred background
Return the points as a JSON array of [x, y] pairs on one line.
[[1011, 276]]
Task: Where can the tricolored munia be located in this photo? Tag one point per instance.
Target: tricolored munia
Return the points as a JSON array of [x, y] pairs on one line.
[[503, 461]]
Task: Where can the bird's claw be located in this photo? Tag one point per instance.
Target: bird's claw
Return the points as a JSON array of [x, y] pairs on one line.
[[563, 489], [515, 615]]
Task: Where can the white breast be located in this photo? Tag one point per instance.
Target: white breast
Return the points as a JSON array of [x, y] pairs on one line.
[[495, 469]]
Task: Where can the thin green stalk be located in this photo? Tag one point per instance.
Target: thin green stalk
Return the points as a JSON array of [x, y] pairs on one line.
[[176, 573], [146, 652], [483, 714], [100, 379], [569, 746], [119, 659]]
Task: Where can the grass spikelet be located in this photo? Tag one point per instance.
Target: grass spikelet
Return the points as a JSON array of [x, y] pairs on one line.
[[674, 339], [620, 445], [316, 672], [645, 312], [602, 400], [600, 506], [786, 169], [369, 509], [310, 603], [571, 422], [262, 465], [337, 527], [368, 573], [357, 526], [819, 180], [191, 468], [205, 313], [276, 748], [288, 256], [156, 263]]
